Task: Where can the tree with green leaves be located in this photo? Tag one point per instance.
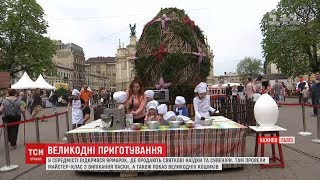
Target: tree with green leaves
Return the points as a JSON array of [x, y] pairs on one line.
[[291, 36], [22, 42], [250, 65]]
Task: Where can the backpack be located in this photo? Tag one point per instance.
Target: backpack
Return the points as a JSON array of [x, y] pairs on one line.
[[12, 110]]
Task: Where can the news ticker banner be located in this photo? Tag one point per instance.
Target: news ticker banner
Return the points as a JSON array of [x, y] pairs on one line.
[[37, 153], [124, 157], [147, 163]]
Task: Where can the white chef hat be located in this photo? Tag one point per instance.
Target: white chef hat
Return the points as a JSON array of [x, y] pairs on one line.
[[149, 93], [75, 92], [168, 115], [155, 102], [162, 109], [152, 105], [201, 88], [180, 100], [120, 96]]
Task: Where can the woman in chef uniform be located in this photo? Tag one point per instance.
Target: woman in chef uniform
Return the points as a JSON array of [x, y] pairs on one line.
[[77, 104], [201, 103]]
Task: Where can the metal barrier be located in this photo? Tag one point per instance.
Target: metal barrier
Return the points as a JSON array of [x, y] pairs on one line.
[[57, 126], [8, 166], [304, 132], [317, 140], [37, 130]]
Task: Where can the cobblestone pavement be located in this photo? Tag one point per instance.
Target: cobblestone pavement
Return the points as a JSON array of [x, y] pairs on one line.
[[298, 165]]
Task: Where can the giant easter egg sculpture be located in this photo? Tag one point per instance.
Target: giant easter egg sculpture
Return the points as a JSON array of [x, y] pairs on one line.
[[266, 111], [173, 48]]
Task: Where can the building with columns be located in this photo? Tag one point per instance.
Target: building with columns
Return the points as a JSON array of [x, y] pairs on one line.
[[101, 72], [125, 64]]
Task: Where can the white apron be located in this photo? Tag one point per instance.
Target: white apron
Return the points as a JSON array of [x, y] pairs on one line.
[[77, 115], [203, 108]]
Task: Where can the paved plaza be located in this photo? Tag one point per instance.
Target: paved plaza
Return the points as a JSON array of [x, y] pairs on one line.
[[302, 159]]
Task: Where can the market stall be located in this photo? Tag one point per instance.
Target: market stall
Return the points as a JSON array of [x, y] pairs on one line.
[[224, 138], [41, 83], [25, 82]]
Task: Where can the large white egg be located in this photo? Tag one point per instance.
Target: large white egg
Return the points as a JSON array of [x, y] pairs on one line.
[[266, 111]]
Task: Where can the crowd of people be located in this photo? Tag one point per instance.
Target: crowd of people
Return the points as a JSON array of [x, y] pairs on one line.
[[253, 89], [15, 105], [279, 91], [308, 91]]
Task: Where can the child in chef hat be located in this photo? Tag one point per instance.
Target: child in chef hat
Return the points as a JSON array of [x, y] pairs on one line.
[[201, 103], [152, 114], [169, 116], [120, 98], [149, 94], [162, 110], [180, 108]]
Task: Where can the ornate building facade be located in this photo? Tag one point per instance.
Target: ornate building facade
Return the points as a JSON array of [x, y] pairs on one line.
[[70, 68], [210, 79], [125, 64], [101, 72]]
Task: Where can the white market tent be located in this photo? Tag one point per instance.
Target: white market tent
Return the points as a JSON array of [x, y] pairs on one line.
[[41, 83], [225, 85], [231, 84], [25, 82]]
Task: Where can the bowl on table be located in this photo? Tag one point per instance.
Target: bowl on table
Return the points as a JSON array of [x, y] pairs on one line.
[[135, 126], [174, 124], [106, 121], [153, 124], [190, 124], [184, 118], [206, 122]]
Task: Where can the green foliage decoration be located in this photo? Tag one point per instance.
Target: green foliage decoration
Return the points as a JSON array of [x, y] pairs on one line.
[[179, 65]]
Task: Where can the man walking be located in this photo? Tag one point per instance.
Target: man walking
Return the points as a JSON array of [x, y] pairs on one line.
[[37, 105], [315, 88], [299, 88], [250, 89], [278, 90]]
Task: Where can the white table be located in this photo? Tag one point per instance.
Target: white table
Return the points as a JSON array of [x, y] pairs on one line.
[[267, 129]]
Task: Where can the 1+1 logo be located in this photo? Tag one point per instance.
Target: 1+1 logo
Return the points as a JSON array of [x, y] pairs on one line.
[[284, 20]]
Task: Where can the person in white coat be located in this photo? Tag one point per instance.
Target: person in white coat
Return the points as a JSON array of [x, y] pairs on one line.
[[162, 110], [149, 94], [120, 98], [77, 104], [201, 103]]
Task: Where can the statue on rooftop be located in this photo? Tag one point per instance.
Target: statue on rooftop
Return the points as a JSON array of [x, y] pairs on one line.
[[133, 29]]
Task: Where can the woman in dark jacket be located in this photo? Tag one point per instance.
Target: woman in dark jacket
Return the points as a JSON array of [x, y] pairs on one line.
[[12, 108]]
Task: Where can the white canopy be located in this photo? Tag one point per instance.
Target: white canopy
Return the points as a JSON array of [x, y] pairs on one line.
[[231, 84], [41, 83], [225, 85], [25, 82]]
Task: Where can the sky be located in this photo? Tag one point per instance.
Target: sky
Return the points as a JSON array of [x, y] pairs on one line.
[[232, 26]]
